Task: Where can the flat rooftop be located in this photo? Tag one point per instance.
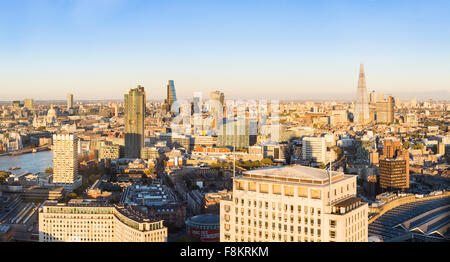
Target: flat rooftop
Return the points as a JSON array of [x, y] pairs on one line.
[[294, 174]]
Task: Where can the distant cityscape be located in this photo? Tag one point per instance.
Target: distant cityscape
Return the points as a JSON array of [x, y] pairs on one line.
[[210, 169]]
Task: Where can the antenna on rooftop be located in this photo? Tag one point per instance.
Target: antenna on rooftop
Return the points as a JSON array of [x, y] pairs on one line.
[[234, 161], [329, 176]]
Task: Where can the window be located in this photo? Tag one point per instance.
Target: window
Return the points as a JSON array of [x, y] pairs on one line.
[[332, 223], [332, 234], [288, 190], [316, 194], [263, 188], [302, 192], [276, 189], [252, 186]]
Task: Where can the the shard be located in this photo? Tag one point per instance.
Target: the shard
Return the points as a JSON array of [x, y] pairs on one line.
[[362, 100]]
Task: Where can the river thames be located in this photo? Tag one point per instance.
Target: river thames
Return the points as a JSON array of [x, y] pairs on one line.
[[32, 163]]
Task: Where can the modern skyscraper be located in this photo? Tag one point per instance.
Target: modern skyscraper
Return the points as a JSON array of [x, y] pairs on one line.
[[65, 160], [28, 103], [171, 101], [292, 204], [134, 110], [362, 104], [69, 101]]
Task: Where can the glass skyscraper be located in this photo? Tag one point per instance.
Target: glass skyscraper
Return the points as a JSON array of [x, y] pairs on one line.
[[362, 104]]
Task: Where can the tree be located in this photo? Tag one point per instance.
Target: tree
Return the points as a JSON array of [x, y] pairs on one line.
[[417, 146], [267, 162], [406, 145], [49, 170]]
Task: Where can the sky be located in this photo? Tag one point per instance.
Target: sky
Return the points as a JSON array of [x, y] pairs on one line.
[[260, 49]]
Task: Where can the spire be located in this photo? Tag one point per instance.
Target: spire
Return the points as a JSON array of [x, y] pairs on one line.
[[362, 69]]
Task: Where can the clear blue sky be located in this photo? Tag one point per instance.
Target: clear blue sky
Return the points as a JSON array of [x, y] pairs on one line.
[[98, 49]]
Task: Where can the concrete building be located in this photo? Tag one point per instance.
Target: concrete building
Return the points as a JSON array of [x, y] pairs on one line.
[[108, 150], [385, 110], [65, 161], [134, 122], [314, 148], [292, 204], [69, 101], [95, 222], [394, 165]]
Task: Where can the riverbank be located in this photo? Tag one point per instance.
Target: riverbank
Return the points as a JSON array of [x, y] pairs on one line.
[[26, 151], [32, 163]]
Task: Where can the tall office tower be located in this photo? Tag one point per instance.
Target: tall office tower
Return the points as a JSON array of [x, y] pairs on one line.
[[292, 204], [394, 165], [116, 110], [171, 101], [362, 104], [69, 101], [28, 103], [91, 222], [372, 97], [134, 110], [314, 148], [385, 110], [65, 160]]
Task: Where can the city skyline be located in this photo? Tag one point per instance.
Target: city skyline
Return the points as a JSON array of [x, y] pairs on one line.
[[283, 49]]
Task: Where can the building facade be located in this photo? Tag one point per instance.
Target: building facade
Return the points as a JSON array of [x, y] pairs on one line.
[[385, 110], [292, 204], [65, 160], [134, 110], [96, 223], [314, 148]]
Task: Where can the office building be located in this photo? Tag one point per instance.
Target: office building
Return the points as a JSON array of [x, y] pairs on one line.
[[65, 161], [97, 222], [171, 101], [108, 150], [394, 165], [385, 110], [134, 110], [292, 204], [69, 101], [236, 134], [28, 103], [314, 148], [362, 106]]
